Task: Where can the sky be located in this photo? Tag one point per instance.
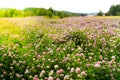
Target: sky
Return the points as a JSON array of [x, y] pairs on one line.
[[79, 6]]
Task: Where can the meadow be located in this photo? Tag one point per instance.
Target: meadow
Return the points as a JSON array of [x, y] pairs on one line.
[[73, 48]]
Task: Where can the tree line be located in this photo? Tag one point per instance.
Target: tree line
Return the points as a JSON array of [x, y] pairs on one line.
[[50, 13], [113, 11], [35, 12]]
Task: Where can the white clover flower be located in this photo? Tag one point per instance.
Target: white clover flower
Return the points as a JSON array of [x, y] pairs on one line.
[[113, 57], [42, 73], [30, 77], [1, 64], [51, 72], [26, 71], [14, 62], [66, 77], [90, 58], [72, 70], [56, 66], [4, 55], [18, 75]]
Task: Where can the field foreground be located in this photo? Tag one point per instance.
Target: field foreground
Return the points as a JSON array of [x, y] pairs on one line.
[[76, 48]]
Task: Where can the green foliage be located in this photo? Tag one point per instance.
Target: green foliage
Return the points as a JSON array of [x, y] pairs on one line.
[[114, 10], [50, 9], [11, 13], [49, 14], [78, 37], [35, 12], [60, 14], [100, 13]]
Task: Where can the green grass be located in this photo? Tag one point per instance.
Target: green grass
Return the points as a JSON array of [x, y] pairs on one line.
[[9, 31]]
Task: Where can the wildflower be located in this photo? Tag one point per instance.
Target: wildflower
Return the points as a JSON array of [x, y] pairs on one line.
[[61, 75], [18, 75], [113, 57], [72, 70], [30, 77], [1, 64], [1, 76], [82, 55], [23, 79], [26, 71], [101, 57], [20, 61], [79, 48], [97, 64], [72, 49], [111, 50], [78, 70], [36, 77], [57, 78], [42, 73], [38, 66], [56, 66], [4, 72], [78, 60], [58, 49], [45, 78], [38, 56], [67, 77], [17, 45], [83, 73], [44, 52], [87, 65], [103, 61], [50, 78], [4, 55], [33, 59], [22, 39], [51, 72], [113, 78], [59, 71], [90, 58], [111, 75], [24, 62]]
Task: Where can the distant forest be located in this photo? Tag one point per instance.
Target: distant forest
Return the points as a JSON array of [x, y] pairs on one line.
[[50, 13], [113, 11], [36, 12]]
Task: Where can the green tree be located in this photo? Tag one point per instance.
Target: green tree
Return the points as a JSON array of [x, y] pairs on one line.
[[11, 12], [50, 9], [6, 13], [100, 13], [60, 14], [42, 12], [35, 12], [49, 14], [2, 13], [112, 10]]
